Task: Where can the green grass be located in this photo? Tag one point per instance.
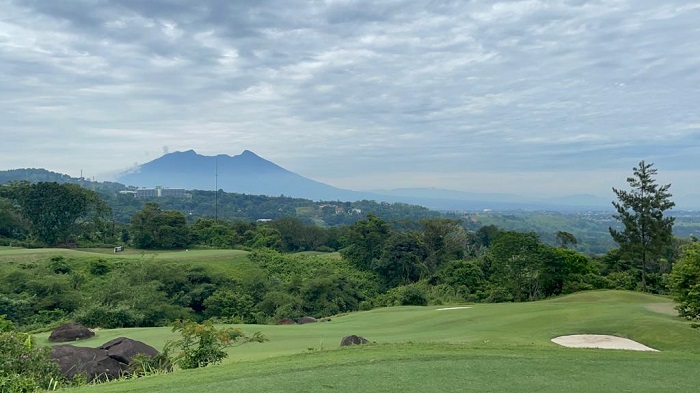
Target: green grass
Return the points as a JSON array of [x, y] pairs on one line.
[[486, 348]]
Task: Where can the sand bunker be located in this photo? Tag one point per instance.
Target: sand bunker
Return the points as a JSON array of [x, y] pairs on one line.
[[600, 341], [452, 308]]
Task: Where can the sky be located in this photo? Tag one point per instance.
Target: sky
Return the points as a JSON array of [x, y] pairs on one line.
[[531, 97]]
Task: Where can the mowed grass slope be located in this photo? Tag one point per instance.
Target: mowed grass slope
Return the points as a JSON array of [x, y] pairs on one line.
[[489, 347]]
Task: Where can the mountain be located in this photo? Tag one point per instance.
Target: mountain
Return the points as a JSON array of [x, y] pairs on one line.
[[249, 173], [246, 173]]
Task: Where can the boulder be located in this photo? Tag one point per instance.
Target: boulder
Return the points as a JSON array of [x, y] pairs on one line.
[[286, 321], [353, 340], [124, 349], [110, 361], [304, 320], [70, 332], [93, 363]]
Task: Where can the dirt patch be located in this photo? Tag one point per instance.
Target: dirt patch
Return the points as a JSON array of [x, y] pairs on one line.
[[600, 341], [453, 308]]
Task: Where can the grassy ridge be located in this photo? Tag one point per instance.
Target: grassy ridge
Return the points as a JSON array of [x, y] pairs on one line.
[[489, 347]]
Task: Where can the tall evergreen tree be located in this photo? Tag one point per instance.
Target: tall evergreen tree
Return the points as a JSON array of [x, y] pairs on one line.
[[641, 211]]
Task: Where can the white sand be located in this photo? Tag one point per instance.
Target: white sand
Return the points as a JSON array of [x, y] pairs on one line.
[[600, 341], [452, 308]]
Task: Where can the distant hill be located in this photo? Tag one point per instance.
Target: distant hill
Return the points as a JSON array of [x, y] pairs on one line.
[[36, 175], [246, 173]]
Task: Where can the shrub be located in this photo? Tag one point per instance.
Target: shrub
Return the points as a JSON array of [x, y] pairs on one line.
[[684, 283], [100, 267], [413, 295], [26, 367], [5, 325], [498, 294], [109, 317], [142, 365], [626, 280], [227, 304], [204, 344], [366, 305], [407, 295], [59, 265]]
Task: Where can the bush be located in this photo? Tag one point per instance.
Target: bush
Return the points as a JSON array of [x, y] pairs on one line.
[[5, 325], [204, 344], [142, 365], [100, 267], [109, 317], [684, 283], [227, 304], [626, 280], [366, 305], [26, 367], [406, 295], [498, 294], [59, 265]]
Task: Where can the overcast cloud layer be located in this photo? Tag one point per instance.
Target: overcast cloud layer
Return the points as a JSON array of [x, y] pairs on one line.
[[515, 96]]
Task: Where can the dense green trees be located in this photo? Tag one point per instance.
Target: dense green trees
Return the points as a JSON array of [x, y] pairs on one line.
[[685, 282], [365, 241], [402, 259], [57, 214], [522, 268], [154, 228], [646, 231], [209, 232], [12, 224], [518, 264], [445, 240]]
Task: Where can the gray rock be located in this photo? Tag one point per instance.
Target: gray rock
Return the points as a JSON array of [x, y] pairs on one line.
[[353, 340], [304, 320], [124, 349], [109, 361], [93, 363], [70, 332]]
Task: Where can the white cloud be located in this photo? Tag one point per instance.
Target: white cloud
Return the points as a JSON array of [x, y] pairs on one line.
[[357, 91]]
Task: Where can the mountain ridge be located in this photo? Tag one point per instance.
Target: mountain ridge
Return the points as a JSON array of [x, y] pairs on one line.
[[245, 173]]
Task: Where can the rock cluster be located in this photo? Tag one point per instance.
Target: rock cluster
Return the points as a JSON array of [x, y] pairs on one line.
[[110, 361]]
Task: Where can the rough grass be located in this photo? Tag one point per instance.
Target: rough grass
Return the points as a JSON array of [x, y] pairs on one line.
[[486, 348]]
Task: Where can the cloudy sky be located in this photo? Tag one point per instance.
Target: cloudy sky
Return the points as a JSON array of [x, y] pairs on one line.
[[533, 97]]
